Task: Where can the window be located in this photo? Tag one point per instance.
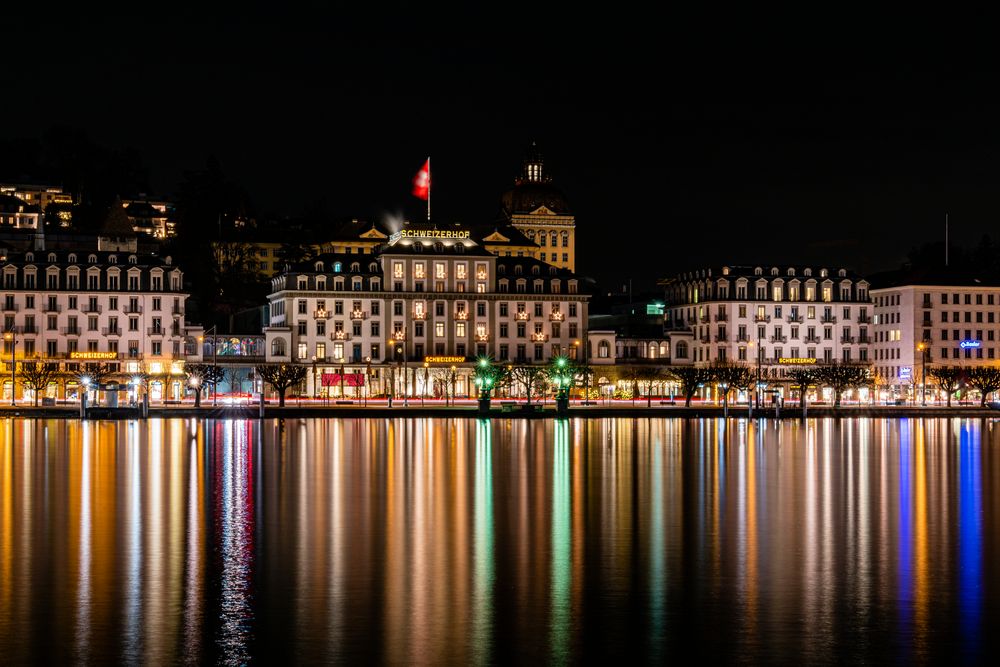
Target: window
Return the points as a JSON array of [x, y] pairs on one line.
[[302, 351]]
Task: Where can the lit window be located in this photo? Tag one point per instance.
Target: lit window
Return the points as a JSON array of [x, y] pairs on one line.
[[397, 269]]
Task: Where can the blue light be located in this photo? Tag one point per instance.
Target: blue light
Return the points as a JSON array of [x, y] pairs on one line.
[[967, 344]]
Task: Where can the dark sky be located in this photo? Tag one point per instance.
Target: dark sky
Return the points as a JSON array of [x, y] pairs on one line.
[[681, 140]]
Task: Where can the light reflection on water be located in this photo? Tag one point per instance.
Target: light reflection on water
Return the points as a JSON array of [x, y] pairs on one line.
[[465, 541]]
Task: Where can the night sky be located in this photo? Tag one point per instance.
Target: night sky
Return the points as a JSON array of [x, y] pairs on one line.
[[680, 141]]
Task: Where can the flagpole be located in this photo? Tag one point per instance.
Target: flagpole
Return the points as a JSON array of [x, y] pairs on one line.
[[428, 188]]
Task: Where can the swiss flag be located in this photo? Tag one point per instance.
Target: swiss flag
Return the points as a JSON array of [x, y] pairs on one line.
[[422, 181]]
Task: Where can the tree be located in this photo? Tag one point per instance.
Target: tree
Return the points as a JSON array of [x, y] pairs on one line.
[[530, 378], [561, 374], [732, 375], [95, 373], [281, 377], [234, 377], [690, 377], [948, 379], [37, 375], [986, 379], [648, 375], [487, 376], [841, 377], [200, 375], [802, 378]]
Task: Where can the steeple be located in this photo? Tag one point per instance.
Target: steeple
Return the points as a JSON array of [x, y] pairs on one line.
[[533, 167]]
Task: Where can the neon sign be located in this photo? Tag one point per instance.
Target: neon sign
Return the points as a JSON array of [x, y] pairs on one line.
[[428, 234], [797, 361], [967, 344]]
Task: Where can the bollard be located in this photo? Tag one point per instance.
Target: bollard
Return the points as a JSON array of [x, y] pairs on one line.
[[261, 411], [83, 406]]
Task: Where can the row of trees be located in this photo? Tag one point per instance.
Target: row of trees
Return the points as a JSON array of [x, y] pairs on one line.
[[986, 379]]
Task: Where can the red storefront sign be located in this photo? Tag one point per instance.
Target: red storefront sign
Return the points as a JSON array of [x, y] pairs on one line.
[[350, 379]]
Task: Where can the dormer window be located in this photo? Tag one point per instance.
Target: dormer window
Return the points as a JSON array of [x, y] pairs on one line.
[[112, 259], [29, 257], [72, 258], [758, 271], [318, 266], [132, 259], [337, 267], [92, 259], [52, 257]]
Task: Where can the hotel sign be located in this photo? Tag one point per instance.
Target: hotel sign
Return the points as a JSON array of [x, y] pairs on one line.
[[94, 356], [444, 360], [429, 234], [797, 361], [970, 344]]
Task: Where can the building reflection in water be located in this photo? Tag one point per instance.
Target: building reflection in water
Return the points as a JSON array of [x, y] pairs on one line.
[[479, 541]]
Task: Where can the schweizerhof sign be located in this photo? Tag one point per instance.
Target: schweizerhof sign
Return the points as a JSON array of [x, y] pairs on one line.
[[429, 235]]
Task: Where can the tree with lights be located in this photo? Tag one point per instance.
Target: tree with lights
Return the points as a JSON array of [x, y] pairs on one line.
[[840, 378], [561, 374], [986, 379], [487, 376], [281, 377], [948, 379]]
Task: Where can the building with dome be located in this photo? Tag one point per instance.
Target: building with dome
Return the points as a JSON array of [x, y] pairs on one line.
[[538, 210]]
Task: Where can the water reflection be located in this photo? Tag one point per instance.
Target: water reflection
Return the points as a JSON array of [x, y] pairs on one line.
[[477, 541]]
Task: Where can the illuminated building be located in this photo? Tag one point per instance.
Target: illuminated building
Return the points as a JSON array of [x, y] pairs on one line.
[[39, 196], [154, 217], [16, 213], [426, 294], [111, 305], [940, 318], [541, 213], [764, 314]]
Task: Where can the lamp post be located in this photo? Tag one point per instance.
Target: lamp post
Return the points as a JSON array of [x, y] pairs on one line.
[[402, 353], [341, 360], [424, 394], [368, 378], [453, 385], [923, 373], [12, 338], [215, 348], [315, 378]]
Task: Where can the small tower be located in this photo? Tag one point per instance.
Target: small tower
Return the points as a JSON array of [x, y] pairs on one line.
[[117, 234]]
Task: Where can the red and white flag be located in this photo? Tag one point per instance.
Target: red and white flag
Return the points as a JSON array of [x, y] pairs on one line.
[[422, 181]]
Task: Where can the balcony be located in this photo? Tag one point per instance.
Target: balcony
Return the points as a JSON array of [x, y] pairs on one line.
[[51, 308], [691, 321], [828, 319], [556, 317], [359, 315], [133, 309], [177, 310], [706, 339], [92, 308], [778, 339], [28, 329], [742, 338], [812, 339], [705, 319], [540, 337], [926, 304], [344, 335], [521, 316], [70, 331], [482, 337], [721, 317], [156, 331], [10, 307], [864, 319], [398, 336], [864, 340], [421, 315], [761, 318], [111, 331], [463, 315], [321, 314], [795, 319], [846, 340]]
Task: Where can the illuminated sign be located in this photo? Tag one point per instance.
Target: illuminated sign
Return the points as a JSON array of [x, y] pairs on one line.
[[93, 356], [904, 373], [428, 234], [444, 360], [797, 361], [349, 379], [967, 344]]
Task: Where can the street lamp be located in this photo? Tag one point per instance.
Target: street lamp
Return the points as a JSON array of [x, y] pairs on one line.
[[402, 353], [12, 338], [453, 385], [341, 360], [923, 373], [315, 379], [215, 348], [368, 378], [424, 394]]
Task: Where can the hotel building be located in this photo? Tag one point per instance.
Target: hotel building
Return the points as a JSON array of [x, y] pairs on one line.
[[768, 315], [427, 300], [937, 319]]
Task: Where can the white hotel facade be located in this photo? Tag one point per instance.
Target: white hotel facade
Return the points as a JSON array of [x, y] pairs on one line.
[[768, 315], [427, 301]]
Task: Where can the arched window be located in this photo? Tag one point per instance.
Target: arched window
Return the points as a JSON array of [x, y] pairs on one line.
[[92, 259], [682, 350], [72, 258], [278, 347], [112, 259], [132, 259], [337, 267], [356, 267], [52, 257], [29, 257], [653, 349], [663, 349]]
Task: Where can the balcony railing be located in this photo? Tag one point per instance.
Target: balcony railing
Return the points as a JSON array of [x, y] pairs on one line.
[[28, 329], [344, 335], [722, 338], [11, 307], [721, 317], [864, 319], [70, 331], [778, 339], [864, 340], [111, 331], [397, 335], [705, 319], [51, 308], [540, 337], [556, 317], [359, 315], [91, 308], [742, 338], [828, 319], [321, 314], [761, 318], [177, 310], [133, 309], [846, 340], [812, 339], [156, 331], [795, 319], [522, 316], [706, 339], [926, 304]]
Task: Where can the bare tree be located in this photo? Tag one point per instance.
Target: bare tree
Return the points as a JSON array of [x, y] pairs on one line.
[[530, 378], [281, 377], [37, 375], [802, 378], [690, 377], [986, 379], [841, 377], [732, 375], [200, 375], [948, 378]]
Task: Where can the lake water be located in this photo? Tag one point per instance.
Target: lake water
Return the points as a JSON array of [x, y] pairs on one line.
[[448, 541]]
